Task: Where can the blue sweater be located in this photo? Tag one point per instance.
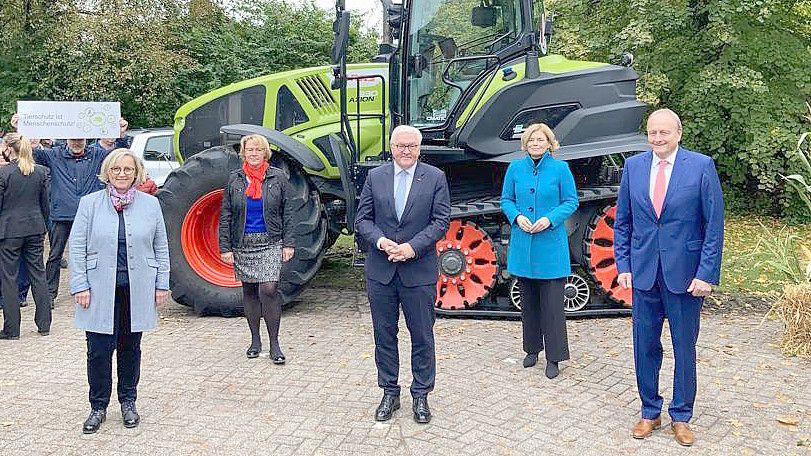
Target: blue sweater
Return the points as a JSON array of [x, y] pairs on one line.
[[254, 216]]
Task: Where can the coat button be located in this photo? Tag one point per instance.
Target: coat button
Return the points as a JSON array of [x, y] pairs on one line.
[[530, 209], [535, 172], [532, 190]]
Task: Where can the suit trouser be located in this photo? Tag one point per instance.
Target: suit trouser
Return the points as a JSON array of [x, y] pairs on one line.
[[23, 284], [58, 238], [127, 346], [418, 308], [543, 317], [28, 250], [683, 312]]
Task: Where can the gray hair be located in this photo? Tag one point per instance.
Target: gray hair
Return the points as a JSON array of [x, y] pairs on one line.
[[670, 113], [112, 159], [406, 129]]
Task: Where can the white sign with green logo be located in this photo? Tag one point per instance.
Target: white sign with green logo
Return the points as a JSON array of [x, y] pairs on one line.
[[68, 119]]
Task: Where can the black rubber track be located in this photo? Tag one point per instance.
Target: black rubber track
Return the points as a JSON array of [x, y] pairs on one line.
[[208, 171]]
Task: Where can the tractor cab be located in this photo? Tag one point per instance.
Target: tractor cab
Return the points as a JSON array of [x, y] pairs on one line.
[[449, 48]]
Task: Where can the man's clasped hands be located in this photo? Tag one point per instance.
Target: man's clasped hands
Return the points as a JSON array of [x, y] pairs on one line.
[[397, 252]]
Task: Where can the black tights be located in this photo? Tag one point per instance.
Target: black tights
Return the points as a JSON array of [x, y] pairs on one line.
[[263, 300]]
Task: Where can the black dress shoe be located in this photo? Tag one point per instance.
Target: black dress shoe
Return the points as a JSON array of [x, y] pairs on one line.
[[130, 415], [530, 360], [552, 369], [422, 414], [7, 336], [387, 406], [93, 422], [253, 352]]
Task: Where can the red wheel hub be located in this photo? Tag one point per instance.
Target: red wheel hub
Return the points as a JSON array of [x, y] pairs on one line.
[[200, 243], [467, 266], [600, 250]]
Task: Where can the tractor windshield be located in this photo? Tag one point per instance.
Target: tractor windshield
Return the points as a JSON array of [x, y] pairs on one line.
[[443, 30]]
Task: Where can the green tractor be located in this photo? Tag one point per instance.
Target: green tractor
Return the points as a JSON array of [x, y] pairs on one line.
[[471, 75]]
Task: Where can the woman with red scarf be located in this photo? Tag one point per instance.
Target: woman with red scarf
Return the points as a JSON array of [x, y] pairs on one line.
[[256, 236]]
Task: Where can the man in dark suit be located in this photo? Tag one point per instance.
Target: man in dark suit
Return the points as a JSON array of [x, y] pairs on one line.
[[404, 210], [668, 238]]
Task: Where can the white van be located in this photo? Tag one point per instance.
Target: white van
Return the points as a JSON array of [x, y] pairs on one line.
[[155, 148]]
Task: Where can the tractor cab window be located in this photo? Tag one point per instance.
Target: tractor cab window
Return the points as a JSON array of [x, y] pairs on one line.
[[443, 30], [202, 127]]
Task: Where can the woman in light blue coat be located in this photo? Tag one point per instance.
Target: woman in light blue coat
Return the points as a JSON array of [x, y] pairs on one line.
[[538, 196], [119, 264]]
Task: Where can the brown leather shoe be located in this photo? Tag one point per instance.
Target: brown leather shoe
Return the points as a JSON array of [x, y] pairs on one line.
[[644, 428], [683, 433]]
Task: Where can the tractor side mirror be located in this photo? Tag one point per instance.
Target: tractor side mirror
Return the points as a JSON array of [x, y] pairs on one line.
[[483, 16], [340, 29]]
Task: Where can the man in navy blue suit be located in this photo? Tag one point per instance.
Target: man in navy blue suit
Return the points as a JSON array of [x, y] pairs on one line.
[[668, 237], [404, 210]]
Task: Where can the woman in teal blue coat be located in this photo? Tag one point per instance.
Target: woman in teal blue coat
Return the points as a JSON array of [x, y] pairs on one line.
[[538, 196]]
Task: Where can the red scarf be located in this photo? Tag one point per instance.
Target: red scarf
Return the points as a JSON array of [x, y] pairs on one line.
[[255, 178]]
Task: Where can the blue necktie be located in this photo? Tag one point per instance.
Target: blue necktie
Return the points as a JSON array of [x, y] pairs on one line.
[[400, 193]]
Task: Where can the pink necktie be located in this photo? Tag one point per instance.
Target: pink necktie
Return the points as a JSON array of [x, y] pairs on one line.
[[659, 188]]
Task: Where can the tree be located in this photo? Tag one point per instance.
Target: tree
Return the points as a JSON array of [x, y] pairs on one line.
[[154, 55], [738, 71]]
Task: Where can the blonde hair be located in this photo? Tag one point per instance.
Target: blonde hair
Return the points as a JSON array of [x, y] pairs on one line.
[[263, 142], [542, 127], [22, 149], [112, 159]]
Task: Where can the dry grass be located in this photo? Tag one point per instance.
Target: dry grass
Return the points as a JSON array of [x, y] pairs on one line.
[[794, 310]]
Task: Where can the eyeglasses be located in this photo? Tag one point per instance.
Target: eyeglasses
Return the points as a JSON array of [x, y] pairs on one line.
[[128, 171], [402, 147]]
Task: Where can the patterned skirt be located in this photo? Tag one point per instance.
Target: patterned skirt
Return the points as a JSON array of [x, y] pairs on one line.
[[257, 259]]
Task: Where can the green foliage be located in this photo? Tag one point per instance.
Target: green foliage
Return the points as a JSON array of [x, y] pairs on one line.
[[154, 55], [802, 182], [737, 71]]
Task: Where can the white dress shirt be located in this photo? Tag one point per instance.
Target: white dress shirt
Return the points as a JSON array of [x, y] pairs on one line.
[[409, 181], [654, 170]]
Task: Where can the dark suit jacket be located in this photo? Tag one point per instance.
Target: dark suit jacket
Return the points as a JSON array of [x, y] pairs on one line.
[[23, 201], [686, 239], [425, 220]]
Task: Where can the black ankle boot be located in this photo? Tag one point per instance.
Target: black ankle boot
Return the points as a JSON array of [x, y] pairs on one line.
[[530, 359], [130, 414], [93, 421]]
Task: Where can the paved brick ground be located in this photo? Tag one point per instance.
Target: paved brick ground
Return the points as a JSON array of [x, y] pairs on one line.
[[200, 395]]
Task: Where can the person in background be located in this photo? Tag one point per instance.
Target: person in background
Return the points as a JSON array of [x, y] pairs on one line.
[[23, 211], [74, 173], [256, 236], [119, 265], [538, 196]]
